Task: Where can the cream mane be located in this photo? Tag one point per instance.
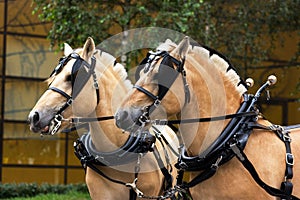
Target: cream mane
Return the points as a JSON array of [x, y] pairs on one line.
[[109, 60], [220, 62]]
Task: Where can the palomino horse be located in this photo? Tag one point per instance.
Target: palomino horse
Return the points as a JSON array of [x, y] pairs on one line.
[[89, 83], [230, 149]]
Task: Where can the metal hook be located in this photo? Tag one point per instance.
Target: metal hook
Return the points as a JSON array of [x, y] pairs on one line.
[[135, 189]]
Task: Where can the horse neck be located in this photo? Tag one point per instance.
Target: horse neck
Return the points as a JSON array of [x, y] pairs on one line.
[[106, 136], [212, 94]]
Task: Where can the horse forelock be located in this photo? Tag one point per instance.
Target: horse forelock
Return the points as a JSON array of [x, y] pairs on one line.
[[168, 46]]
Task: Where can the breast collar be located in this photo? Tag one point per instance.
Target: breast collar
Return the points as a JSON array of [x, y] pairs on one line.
[[135, 145], [236, 129]]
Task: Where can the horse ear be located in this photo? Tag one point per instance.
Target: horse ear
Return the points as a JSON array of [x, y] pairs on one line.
[[88, 48], [168, 41], [183, 47], [67, 49]]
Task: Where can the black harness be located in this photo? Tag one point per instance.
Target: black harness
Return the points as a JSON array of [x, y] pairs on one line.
[[231, 141], [135, 145]]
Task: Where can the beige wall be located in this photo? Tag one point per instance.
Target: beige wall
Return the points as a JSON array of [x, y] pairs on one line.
[[287, 80], [28, 56]]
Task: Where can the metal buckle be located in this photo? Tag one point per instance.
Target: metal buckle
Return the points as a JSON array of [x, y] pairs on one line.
[[216, 164], [286, 138], [156, 103], [237, 151], [70, 101], [142, 120], [57, 123], [289, 159], [133, 186], [159, 122], [183, 165]]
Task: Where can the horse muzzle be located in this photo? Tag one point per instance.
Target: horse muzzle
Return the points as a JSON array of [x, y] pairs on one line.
[[129, 119], [38, 122]]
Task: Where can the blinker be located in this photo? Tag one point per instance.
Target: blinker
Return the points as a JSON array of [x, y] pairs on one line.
[[146, 62], [62, 62]]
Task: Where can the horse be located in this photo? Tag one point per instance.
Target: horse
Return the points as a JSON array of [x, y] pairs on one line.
[[87, 85], [230, 150]]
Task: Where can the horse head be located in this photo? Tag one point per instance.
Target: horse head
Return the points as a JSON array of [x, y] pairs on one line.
[[161, 80], [70, 83]]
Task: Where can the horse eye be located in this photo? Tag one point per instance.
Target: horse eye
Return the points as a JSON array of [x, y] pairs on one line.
[[69, 78]]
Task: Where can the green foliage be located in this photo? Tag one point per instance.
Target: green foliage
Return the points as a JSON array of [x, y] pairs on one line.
[[32, 189], [245, 31]]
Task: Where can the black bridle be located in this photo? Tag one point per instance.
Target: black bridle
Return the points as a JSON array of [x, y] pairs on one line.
[[166, 77], [77, 68]]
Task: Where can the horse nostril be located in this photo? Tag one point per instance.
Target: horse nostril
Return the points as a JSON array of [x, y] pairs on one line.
[[34, 118], [122, 119], [122, 115]]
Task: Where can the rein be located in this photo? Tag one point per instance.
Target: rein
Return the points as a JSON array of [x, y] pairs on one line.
[[78, 120], [206, 119]]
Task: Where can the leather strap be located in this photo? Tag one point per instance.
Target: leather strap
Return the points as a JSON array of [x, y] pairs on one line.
[[248, 165]]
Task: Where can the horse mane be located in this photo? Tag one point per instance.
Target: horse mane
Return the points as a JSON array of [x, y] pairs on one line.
[[120, 69], [109, 60], [219, 61]]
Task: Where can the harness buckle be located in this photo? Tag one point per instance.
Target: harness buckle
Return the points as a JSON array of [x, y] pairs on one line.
[[156, 103], [216, 164], [133, 186], [237, 151], [142, 120], [183, 165], [286, 138], [159, 122], [70, 101], [289, 159], [96, 85], [56, 123]]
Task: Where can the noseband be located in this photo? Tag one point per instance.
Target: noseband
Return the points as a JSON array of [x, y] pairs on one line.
[[78, 66], [166, 78]]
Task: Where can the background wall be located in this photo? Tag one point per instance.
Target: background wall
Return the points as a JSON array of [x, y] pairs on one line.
[[25, 63]]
